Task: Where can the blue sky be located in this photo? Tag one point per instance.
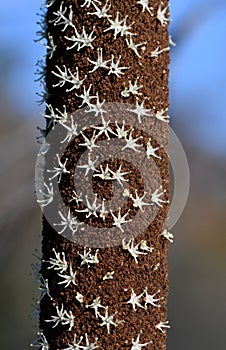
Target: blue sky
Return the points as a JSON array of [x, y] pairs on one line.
[[198, 69]]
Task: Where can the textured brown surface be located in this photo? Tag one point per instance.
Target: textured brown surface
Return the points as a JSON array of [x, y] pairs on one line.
[[153, 73]]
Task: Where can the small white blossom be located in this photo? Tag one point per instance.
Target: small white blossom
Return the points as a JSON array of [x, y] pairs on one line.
[[68, 222], [76, 197], [90, 166], [60, 117], [157, 52], [96, 107], [114, 67], [62, 19], [90, 346], [91, 209], [132, 143], [144, 246], [164, 118], [155, 197], [72, 130], [107, 320], [109, 275], [133, 250], [137, 345], [68, 279], [168, 235], [62, 74], [44, 289], [58, 263], [138, 201], [74, 80], [133, 89], [50, 47], [161, 15], [145, 4], [118, 175], [134, 46], [116, 25], [140, 110], [89, 143], [150, 299], [105, 128], [120, 131], [87, 3], [61, 169], [41, 342], [104, 174], [119, 220], [62, 317], [160, 326], [47, 196], [99, 63], [103, 211], [86, 98], [75, 345], [101, 12], [95, 305], [88, 258], [125, 28], [134, 300], [81, 40], [79, 297], [151, 150]]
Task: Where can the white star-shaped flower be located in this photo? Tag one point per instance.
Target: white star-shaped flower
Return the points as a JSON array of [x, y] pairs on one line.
[[72, 130], [151, 150], [99, 63], [90, 346], [138, 201], [47, 196], [96, 304], [119, 220], [161, 325], [101, 12], [140, 110], [155, 197], [97, 107], [107, 320], [133, 89], [61, 169], [74, 80], [62, 74], [157, 52], [133, 250], [118, 175], [89, 143], [81, 40], [41, 342], [168, 235], [76, 197], [125, 28], [86, 98], [62, 19], [145, 4], [104, 129], [132, 143], [161, 15], [88, 258], [68, 279], [75, 345], [90, 166], [91, 209], [116, 25], [160, 115], [58, 263], [114, 67], [144, 246], [134, 300], [120, 131], [87, 3], [137, 345], [44, 289], [104, 173], [150, 299], [62, 317], [134, 46], [68, 222]]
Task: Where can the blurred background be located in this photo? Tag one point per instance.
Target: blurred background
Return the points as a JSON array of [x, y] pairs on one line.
[[197, 259]]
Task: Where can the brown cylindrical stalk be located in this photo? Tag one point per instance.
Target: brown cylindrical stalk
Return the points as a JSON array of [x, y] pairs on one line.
[[116, 297]]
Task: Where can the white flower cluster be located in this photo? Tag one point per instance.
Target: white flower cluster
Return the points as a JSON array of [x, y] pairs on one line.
[[134, 250], [150, 299], [63, 317]]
